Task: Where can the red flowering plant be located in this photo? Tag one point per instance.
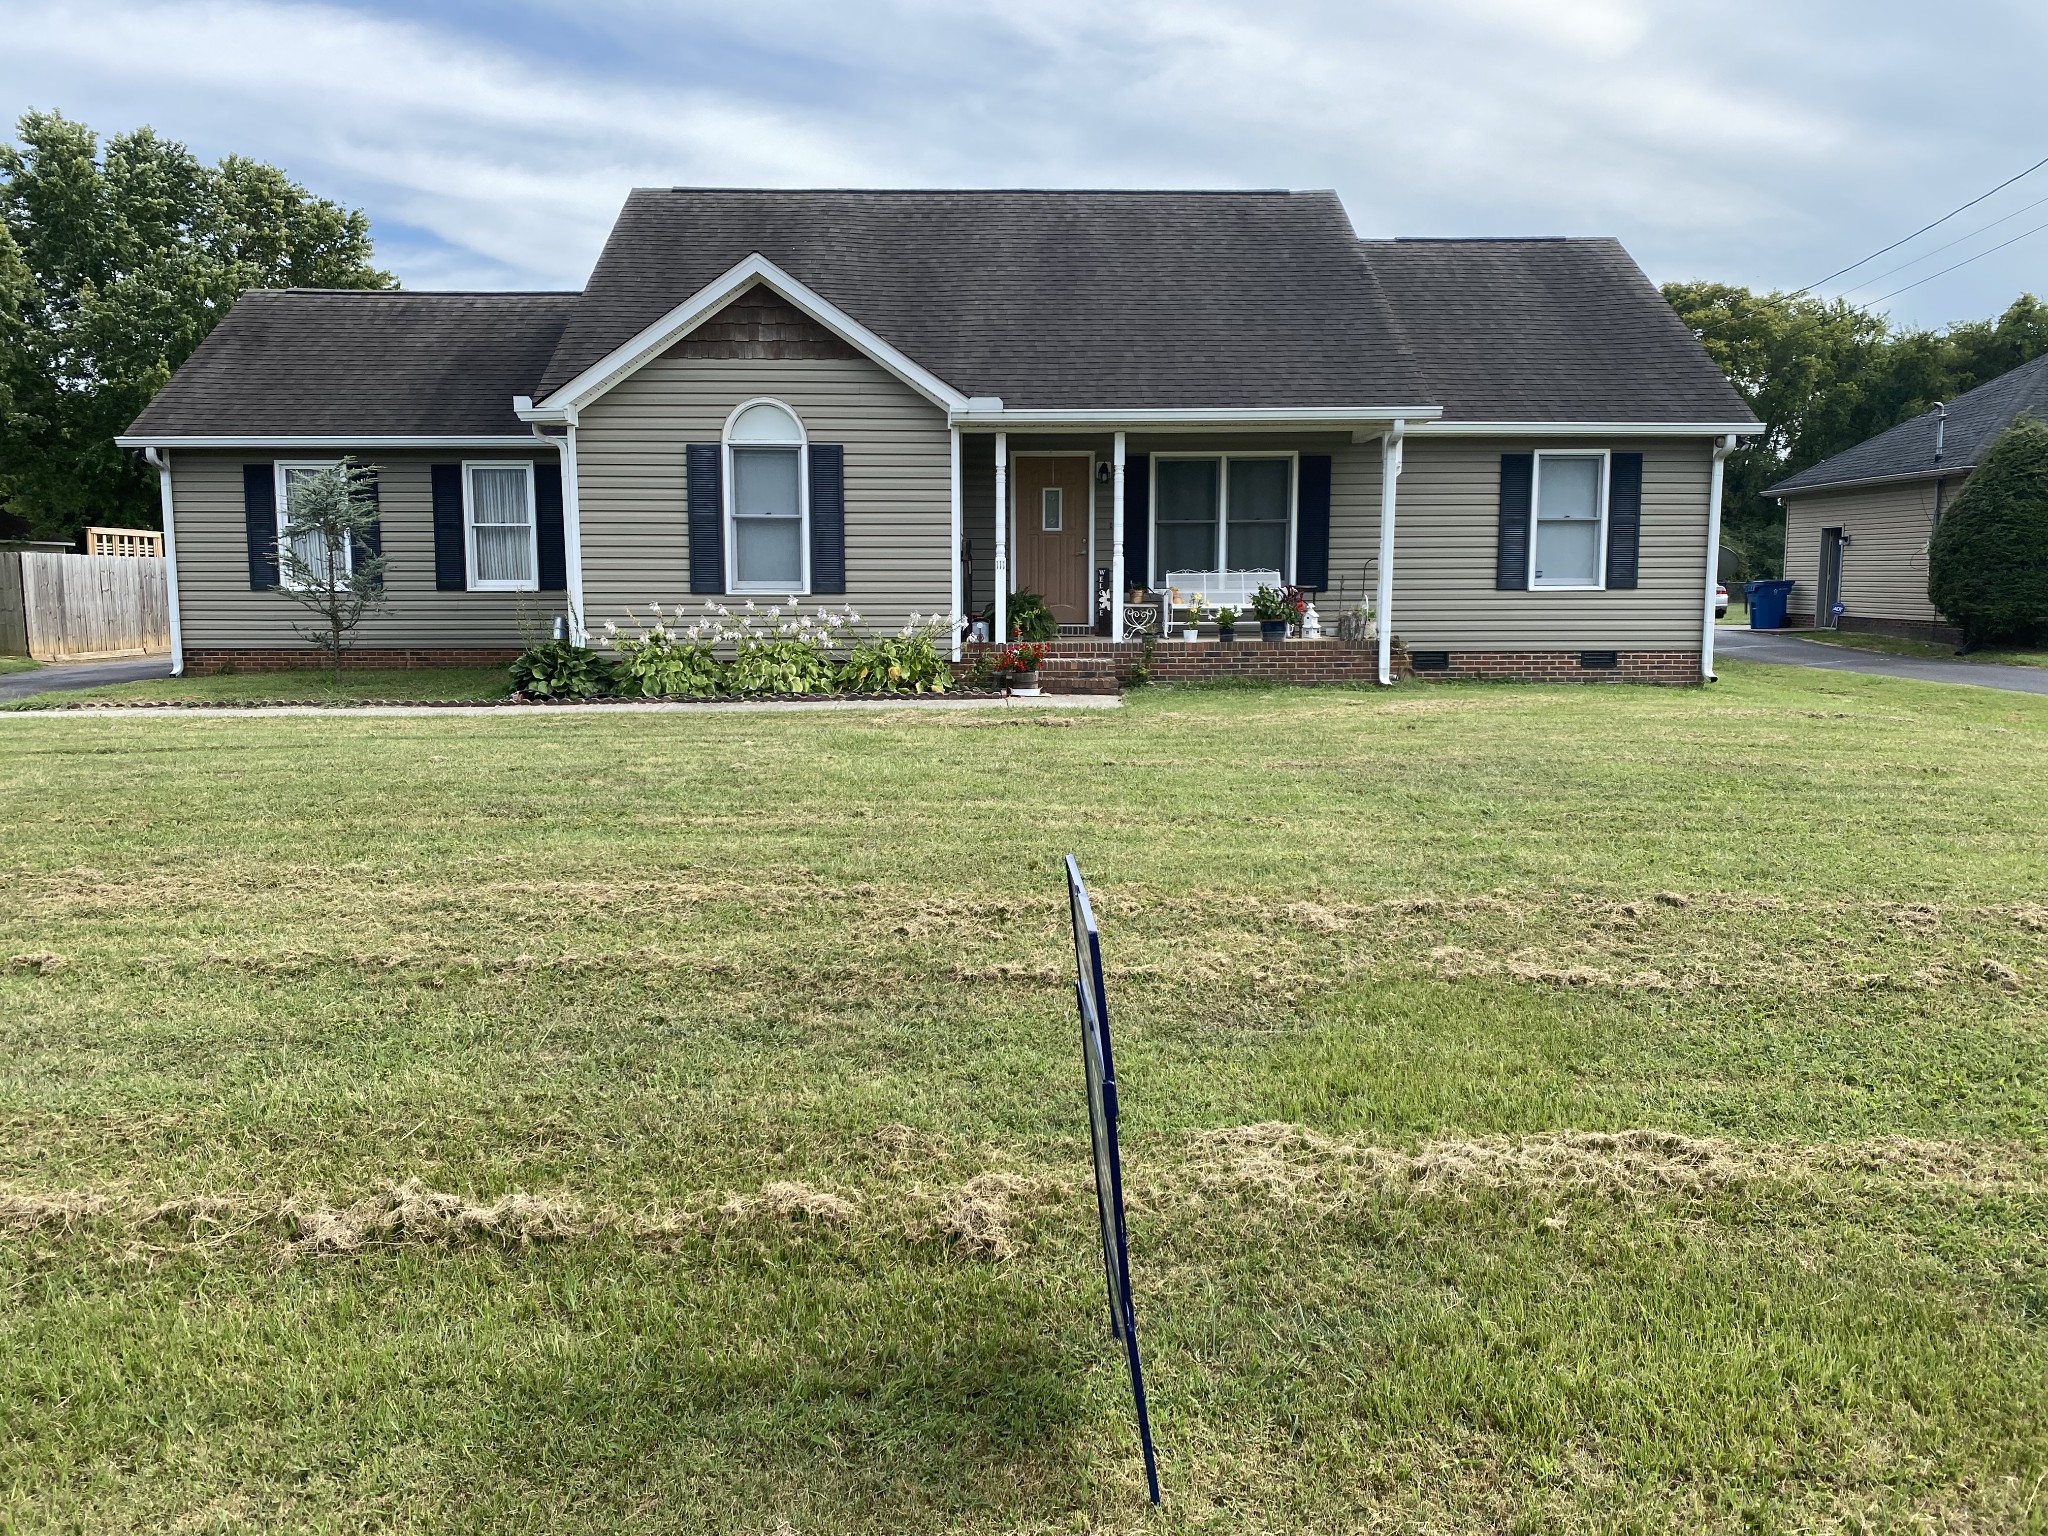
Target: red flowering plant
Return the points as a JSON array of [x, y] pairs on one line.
[[1019, 656]]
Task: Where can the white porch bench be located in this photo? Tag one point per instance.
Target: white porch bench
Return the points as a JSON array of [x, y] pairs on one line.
[[1221, 589]]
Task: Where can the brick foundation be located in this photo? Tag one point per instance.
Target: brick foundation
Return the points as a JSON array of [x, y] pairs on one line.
[[199, 662], [1102, 666]]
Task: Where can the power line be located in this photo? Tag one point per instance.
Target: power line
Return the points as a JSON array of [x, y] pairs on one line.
[[1973, 202], [1944, 272], [1949, 245]]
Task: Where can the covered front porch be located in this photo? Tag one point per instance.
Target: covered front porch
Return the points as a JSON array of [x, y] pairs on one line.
[[1102, 526]]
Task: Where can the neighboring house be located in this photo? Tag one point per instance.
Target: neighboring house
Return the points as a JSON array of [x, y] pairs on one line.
[[1857, 526], [831, 394]]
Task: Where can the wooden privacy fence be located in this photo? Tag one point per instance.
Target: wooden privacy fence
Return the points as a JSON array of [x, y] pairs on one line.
[[77, 606]]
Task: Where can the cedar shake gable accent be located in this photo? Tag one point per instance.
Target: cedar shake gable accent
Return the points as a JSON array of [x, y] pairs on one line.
[[762, 323]]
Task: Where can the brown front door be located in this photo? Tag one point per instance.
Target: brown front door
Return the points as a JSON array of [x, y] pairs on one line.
[[1049, 501]]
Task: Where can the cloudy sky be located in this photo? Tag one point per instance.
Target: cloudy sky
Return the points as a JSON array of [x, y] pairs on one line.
[[1764, 142]]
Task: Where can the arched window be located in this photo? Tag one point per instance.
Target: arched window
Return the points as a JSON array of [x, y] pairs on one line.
[[767, 500]]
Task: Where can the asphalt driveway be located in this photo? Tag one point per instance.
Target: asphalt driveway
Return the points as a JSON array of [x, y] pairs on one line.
[[65, 675], [1762, 645]]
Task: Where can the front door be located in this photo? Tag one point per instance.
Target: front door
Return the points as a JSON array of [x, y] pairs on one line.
[[1828, 590], [1049, 494]]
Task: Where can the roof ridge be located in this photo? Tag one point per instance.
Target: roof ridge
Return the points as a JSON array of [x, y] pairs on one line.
[[1007, 191]]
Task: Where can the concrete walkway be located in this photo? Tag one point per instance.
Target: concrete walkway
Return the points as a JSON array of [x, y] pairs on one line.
[[1763, 645], [61, 676], [543, 711]]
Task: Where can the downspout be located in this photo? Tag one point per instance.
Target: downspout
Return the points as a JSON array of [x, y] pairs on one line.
[[1723, 446], [1383, 600], [162, 460], [572, 522], [958, 601]]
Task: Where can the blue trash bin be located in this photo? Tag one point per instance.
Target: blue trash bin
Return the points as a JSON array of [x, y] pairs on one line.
[[1767, 603]]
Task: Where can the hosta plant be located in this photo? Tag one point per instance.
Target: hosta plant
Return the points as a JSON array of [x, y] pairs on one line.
[[559, 670], [661, 663], [907, 662]]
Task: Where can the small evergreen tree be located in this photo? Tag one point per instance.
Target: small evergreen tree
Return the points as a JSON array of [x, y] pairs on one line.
[[1987, 566], [325, 558]]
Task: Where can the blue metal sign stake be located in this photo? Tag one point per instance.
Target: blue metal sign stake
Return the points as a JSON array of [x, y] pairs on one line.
[[1100, 1067]]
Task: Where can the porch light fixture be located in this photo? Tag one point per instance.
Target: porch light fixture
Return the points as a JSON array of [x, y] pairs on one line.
[[1102, 473]]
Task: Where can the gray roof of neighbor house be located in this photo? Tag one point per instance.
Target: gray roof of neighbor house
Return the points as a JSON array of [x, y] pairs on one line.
[[334, 362], [1906, 452], [1060, 300], [1547, 330]]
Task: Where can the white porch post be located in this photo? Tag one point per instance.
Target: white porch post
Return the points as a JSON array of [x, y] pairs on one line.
[[1722, 448], [1002, 628], [1383, 603], [1116, 546], [955, 544]]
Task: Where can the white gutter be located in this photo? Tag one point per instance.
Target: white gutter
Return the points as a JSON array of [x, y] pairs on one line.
[[162, 461], [572, 513], [359, 440], [1587, 428], [1383, 602], [1722, 449], [977, 413]]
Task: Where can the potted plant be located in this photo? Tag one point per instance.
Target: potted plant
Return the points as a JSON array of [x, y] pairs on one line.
[[1274, 612], [1226, 624], [1016, 665], [1197, 609]]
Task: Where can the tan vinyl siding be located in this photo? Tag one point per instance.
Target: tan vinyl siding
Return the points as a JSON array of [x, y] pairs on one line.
[[217, 609], [1447, 533], [1884, 569], [634, 494]]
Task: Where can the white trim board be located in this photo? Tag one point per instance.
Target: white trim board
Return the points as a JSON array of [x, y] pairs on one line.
[[356, 440], [1583, 429], [978, 414], [635, 353]]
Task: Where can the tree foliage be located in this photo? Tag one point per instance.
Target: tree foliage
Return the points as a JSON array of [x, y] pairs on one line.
[[1823, 375], [326, 558], [113, 267], [1987, 567]]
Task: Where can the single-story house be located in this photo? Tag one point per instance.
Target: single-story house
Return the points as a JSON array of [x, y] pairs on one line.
[[1857, 525], [925, 401]]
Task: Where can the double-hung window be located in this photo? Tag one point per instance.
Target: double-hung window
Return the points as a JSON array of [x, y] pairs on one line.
[[1222, 512], [767, 501], [309, 547], [1569, 547], [497, 511]]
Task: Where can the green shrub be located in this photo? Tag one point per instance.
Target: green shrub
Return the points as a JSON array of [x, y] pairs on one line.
[[559, 670], [779, 665], [1987, 566], [1028, 616], [906, 663]]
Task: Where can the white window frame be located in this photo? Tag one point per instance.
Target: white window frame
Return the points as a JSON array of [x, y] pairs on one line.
[[281, 481], [1605, 456], [803, 501], [477, 583], [1223, 460]]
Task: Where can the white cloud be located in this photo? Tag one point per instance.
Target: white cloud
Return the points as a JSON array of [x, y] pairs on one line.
[[1739, 139]]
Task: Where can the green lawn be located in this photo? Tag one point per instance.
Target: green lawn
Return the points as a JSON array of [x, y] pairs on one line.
[[9, 665], [436, 685], [1898, 645], [1548, 1109]]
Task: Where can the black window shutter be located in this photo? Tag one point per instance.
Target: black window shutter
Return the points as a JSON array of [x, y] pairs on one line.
[[1511, 562], [1624, 519], [547, 528], [369, 544], [828, 517], [259, 507], [1312, 525], [706, 475], [451, 555], [1138, 521]]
